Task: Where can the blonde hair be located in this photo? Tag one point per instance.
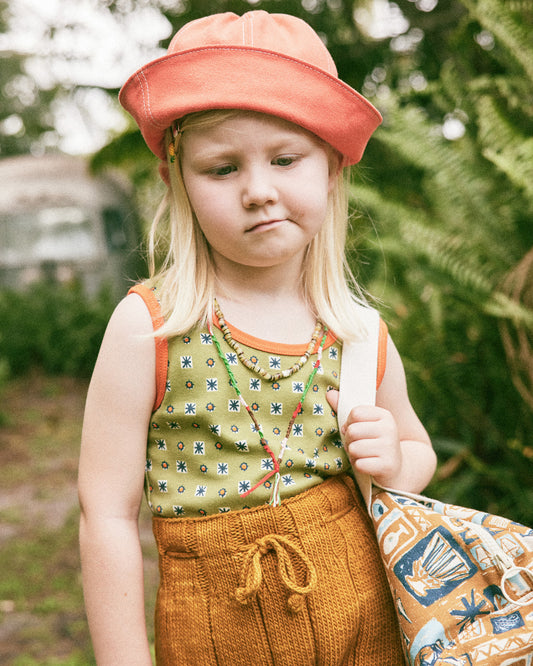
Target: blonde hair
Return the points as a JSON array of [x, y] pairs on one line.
[[185, 277]]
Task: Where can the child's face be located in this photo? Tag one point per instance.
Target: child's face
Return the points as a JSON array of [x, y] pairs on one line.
[[259, 188]]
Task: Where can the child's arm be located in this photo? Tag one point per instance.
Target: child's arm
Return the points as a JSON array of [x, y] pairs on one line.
[[388, 441], [111, 478]]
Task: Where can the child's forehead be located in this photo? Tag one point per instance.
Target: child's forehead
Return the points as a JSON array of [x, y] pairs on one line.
[[249, 129], [245, 118]]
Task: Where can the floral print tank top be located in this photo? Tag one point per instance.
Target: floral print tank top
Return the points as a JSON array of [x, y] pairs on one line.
[[203, 451]]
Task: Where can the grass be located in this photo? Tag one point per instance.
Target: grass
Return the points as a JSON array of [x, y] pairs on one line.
[[42, 619]]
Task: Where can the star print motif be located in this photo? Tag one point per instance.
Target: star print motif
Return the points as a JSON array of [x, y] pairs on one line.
[[470, 612]]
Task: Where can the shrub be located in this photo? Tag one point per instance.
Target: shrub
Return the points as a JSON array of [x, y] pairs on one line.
[[52, 327]]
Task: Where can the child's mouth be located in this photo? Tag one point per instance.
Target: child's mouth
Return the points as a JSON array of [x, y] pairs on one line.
[[263, 226]]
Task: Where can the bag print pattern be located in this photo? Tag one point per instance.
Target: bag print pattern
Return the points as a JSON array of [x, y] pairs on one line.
[[450, 569], [451, 603]]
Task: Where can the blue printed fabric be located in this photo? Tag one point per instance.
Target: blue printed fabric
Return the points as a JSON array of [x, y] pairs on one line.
[[454, 604]]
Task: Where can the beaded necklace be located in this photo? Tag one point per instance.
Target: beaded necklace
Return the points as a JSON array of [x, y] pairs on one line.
[[255, 367], [275, 495]]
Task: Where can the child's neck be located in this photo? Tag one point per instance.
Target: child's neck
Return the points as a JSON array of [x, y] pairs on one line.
[[287, 323], [266, 302], [278, 313]]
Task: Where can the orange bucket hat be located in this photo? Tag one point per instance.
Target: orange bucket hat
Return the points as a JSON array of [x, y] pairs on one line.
[[270, 63]]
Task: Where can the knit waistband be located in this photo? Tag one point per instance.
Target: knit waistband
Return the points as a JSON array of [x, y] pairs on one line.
[[250, 534], [233, 531]]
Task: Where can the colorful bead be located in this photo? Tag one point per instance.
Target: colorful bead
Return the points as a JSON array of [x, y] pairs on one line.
[[172, 152], [173, 146]]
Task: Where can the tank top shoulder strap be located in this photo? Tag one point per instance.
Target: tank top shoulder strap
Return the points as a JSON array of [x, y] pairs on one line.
[[161, 344], [382, 352]]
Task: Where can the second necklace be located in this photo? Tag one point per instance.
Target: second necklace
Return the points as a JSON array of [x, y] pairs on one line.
[[275, 495]]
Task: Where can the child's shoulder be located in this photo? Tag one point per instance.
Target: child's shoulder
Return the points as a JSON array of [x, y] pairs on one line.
[[123, 378], [129, 331], [132, 316]]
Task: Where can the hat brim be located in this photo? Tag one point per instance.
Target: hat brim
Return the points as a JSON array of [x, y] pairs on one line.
[[229, 77]]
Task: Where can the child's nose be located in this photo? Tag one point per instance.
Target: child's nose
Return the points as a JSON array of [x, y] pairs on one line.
[[259, 189]]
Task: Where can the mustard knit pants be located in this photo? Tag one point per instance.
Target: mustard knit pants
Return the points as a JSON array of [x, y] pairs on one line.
[[293, 585]]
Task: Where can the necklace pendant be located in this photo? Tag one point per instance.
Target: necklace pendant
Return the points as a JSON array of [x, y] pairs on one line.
[[275, 495], [283, 447]]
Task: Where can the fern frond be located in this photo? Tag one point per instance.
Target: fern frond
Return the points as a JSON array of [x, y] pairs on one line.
[[446, 251], [503, 307], [457, 186], [494, 16], [515, 91], [407, 129], [456, 182], [450, 254], [517, 338], [502, 144]]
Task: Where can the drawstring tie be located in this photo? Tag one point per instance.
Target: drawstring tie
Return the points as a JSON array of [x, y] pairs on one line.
[[252, 575]]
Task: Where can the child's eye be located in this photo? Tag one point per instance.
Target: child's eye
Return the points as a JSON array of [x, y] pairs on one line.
[[223, 170], [284, 160]]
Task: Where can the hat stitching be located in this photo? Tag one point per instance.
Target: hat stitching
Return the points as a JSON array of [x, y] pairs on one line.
[[331, 79], [147, 105], [141, 86]]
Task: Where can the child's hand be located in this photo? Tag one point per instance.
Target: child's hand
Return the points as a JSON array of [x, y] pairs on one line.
[[371, 441]]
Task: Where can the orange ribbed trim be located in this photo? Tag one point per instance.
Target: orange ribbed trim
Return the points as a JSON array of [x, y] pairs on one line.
[[161, 344], [280, 348], [382, 352]]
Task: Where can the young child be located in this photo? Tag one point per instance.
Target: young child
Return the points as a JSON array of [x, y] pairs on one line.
[[266, 553]]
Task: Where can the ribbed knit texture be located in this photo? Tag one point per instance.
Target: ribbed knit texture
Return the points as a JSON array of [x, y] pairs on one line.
[[294, 585]]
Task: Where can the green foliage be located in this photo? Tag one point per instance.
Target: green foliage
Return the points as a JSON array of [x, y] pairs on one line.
[[129, 152], [508, 27], [54, 327], [453, 220], [24, 105]]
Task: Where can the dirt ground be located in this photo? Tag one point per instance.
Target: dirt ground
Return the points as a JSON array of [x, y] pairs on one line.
[[42, 620]]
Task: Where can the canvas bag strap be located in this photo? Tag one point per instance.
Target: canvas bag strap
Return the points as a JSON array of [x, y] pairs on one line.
[[358, 381]]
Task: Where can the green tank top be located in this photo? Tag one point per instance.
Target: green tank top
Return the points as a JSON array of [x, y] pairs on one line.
[[203, 451]]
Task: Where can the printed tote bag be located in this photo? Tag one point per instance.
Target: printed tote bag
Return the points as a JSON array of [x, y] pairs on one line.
[[462, 580]]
